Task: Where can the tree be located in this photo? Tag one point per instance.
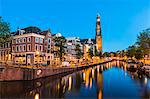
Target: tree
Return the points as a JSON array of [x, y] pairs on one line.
[[79, 53], [4, 31], [60, 42], [143, 41], [138, 54], [131, 51], [106, 54]]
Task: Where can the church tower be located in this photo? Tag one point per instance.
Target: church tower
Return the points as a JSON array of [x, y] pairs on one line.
[[98, 34]]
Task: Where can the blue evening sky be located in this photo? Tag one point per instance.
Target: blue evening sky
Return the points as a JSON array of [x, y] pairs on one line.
[[121, 20]]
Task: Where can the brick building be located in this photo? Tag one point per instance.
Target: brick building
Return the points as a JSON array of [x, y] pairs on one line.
[[31, 46]]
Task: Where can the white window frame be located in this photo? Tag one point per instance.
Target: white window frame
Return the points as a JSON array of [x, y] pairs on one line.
[[41, 40], [28, 39], [36, 39], [28, 47]]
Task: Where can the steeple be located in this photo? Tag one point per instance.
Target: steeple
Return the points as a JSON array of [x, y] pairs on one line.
[[98, 34], [98, 26]]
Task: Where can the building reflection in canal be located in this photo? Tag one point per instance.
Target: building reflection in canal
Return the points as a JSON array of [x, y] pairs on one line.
[[84, 83]]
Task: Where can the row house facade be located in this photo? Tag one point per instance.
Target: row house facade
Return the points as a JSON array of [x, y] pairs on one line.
[[5, 52], [30, 46], [71, 43]]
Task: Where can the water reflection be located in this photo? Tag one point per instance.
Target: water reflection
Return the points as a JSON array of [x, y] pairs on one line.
[[97, 82]]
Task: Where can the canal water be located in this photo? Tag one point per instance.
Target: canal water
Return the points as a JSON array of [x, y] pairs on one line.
[[108, 81]]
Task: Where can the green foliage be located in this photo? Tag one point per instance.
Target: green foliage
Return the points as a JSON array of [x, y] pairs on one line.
[[138, 54], [106, 54], [4, 31], [60, 42], [135, 52], [79, 53], [131, 51], [142, 45], [32, 29], [143, 41]]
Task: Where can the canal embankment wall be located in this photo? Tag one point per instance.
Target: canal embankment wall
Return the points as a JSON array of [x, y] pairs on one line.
[[17, 73]]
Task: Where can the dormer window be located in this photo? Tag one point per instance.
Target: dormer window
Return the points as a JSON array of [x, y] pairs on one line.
[[49, 34]]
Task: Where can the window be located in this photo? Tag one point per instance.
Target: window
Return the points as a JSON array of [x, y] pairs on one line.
[[20, 40], [40, 48], [48, 57], [17, 48], [20, 48], [24, 40], [13, 41], [24, 47], [29, 39], [49, 34], [48, 51], [41, 40], [28, 47], [17, 41], [36, 40], [49, 40], [48, 46], [36, 47]]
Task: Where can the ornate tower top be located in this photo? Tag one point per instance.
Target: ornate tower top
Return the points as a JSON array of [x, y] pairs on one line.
[[98, 26]]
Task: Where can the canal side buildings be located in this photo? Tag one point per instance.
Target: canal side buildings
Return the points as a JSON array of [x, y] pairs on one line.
[[70, 49], [31, 46]]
